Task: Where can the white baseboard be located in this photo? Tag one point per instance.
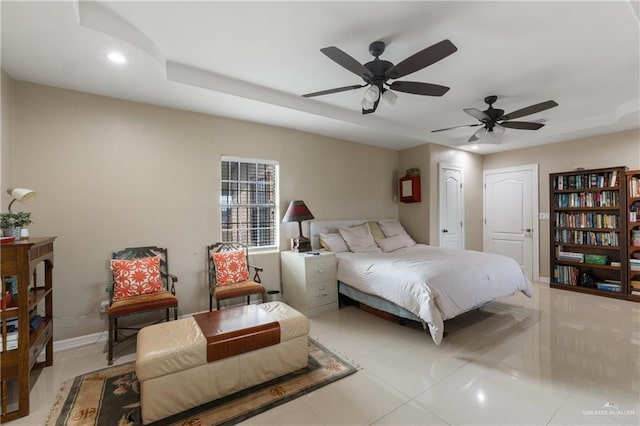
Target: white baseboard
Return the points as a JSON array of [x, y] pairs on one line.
[[546, 280], [91, 339], [78, 342]]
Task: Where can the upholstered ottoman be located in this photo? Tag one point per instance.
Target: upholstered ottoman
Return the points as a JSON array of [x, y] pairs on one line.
[[171, 358]]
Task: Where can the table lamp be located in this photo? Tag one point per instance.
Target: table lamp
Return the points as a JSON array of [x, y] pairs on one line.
[[297, 212], [23, 195]]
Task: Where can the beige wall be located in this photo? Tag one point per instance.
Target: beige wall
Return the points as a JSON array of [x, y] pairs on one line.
[[617, 149], [112, 173], [6, 95], [422, 219]]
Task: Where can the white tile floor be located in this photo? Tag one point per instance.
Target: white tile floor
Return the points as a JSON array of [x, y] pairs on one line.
[[558, 358]]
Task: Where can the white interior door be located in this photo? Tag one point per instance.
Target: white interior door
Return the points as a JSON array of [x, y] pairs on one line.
[[451, 207], [510, 213]]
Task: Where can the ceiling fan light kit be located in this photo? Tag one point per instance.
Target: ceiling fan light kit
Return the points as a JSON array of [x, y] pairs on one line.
[[494, 121], [372, 94], [389, 97], [378, 72]]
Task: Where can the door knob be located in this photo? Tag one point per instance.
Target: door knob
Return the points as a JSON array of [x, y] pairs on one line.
[[444, 230], [527, 230]]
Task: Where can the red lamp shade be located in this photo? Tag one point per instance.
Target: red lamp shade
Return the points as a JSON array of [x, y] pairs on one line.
[[297, 212]]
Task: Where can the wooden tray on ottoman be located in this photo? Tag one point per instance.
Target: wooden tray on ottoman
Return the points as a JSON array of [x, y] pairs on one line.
[[234, 331]]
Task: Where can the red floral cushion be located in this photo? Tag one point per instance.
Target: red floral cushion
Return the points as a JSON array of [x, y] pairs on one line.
[[231, 267], [136, 276]]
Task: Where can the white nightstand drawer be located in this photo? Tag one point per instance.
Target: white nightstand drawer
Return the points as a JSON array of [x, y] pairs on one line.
[[309, 282], [320, 268], [322, 293]]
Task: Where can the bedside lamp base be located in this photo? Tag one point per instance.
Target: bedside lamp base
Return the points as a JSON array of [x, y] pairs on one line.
[[300, 244]]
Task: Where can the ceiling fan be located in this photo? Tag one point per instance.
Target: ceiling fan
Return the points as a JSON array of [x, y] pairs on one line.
[[377, 73], [494, 120]]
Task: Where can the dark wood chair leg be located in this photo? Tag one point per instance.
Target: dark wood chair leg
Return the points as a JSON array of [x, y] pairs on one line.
[[110, 343], [210, 302], [175, 313], [217, 304], [166, 316], [115, 329], [248, 299]]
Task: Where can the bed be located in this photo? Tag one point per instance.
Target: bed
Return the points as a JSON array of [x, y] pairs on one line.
[[421, 282]]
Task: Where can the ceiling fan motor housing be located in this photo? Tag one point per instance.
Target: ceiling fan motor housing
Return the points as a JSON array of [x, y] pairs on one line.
[[378, 68], [494, 114]]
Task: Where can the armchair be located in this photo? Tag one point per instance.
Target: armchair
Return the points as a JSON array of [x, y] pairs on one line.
[[229, 274], [141, 283]]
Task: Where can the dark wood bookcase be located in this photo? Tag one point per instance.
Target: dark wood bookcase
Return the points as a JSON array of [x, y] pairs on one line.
[[588, 222], [633, 228], [27, 274]]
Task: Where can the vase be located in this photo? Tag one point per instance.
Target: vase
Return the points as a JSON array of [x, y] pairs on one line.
[[12, 232]]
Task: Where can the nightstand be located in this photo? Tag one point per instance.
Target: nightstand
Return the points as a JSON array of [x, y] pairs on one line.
[[309, 282]]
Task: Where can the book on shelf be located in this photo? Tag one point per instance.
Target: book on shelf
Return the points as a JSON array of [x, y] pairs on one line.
[[10, 346], [11, 341], [12, 325], [609, 287], [613, 180], [571, 256], [635, 284], [634, 187], [635, 292]]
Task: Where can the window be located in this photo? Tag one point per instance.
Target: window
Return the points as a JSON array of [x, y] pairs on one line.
[[248, 201]]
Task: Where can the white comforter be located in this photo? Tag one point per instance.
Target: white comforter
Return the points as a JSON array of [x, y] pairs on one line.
[[433, 283]]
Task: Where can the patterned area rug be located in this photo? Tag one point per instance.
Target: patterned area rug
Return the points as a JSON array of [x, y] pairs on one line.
[[110, 397]]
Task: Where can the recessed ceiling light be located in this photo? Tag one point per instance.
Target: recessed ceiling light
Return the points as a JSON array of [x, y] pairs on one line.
[[116, 57]]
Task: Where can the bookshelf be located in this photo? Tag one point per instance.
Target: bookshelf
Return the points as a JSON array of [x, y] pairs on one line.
[[633, 228], [26, 320], [588, 231]]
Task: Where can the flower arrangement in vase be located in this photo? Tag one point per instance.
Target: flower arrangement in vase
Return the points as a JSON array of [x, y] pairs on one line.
[[12, 223]]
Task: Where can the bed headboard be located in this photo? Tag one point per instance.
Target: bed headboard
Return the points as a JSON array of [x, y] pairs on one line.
[[328, 226]]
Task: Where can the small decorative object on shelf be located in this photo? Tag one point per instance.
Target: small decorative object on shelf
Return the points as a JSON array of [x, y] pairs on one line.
[[633, 227], [588, 231]]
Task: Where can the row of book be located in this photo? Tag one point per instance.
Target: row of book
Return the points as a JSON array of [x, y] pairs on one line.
[[609, 239], [634, 264], [587, 220], [590, 180], [635, 287], [566, 275], [634, 187], [588, 199]]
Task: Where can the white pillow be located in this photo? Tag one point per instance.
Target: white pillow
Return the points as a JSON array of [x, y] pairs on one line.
[[392, 243], [392, 227], [333, 242], [359, 238]]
